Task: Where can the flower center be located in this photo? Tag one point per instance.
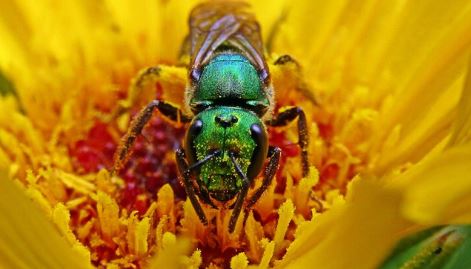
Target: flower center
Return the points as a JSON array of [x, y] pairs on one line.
[[151, 166]]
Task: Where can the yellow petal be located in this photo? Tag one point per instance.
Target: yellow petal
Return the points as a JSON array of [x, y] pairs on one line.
[[28, 239], [137, 21], [395, 27], [438, 190], [428, 86], [462, 129], [413, 143], [15, 34], [268, 20], [362, 230], [376, 215], [320, 16]]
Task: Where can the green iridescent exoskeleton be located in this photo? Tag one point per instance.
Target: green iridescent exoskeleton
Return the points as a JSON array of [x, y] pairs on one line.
[[230, 78], [229, 93], [227, 129]]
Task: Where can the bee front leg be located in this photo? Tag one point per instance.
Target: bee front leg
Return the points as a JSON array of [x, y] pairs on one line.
[[167, 109], [269, 174], [286, 116], [189, 188], [241, 197]]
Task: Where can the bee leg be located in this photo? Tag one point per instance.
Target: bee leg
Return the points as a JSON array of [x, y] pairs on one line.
[[240, 197], [146, 80], [168, 110], [152, 73], [189, 188], [270, 171], [286, 59], [292, 71], [286, 116]]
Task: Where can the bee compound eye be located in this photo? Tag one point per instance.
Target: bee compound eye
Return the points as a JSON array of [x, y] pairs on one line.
[[195, 75], [259, 136], [257, 132], [195, 128], [264, 76], [192, 132]]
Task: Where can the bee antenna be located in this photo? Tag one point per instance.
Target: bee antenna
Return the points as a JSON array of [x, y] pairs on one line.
[[205, 159]]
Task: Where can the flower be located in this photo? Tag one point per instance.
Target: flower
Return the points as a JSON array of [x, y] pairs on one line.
[[389, 135]]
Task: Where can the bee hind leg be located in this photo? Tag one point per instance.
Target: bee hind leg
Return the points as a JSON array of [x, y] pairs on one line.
[[142, 87], [291, 71]]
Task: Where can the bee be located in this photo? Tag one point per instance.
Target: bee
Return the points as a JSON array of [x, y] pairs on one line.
[[230, 100]]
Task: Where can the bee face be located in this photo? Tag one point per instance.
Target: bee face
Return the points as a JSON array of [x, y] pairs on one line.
[[237, 135]]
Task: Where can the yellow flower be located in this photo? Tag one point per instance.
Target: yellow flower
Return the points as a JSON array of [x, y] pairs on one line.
[[389, 137]]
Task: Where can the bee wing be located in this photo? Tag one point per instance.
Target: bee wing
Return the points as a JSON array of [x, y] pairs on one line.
[[214, 24]]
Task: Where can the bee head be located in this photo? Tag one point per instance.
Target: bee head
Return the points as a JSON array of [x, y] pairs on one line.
[[240, 138]]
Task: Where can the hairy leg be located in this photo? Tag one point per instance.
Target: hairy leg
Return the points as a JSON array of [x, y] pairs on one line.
[[288, 115], [168, 110]]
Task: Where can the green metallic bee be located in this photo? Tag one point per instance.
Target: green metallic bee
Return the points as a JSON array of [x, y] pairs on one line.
[[231, 98]]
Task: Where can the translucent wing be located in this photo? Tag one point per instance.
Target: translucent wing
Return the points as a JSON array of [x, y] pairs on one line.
[[225, 23]]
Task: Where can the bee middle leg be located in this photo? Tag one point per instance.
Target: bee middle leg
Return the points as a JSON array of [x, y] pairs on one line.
[[168, 110], [283, 118]]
